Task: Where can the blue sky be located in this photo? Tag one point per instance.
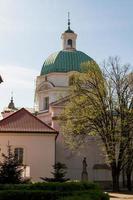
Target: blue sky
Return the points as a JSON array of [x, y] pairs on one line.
[[30, 30]]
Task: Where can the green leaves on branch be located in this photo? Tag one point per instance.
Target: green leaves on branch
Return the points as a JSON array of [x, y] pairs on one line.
[[101, 103]]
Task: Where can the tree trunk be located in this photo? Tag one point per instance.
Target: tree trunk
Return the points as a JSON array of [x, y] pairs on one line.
[[123, 178], [129, 181], [115, 178]]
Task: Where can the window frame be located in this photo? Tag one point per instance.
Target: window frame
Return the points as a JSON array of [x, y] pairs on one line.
[[46, 103], [70, 42], [19, 155]]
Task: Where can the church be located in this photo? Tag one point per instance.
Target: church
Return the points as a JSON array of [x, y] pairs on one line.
[[35, 136]]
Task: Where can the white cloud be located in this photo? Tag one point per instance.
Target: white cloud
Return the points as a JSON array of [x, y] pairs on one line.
[[21, 81], [16, 76]]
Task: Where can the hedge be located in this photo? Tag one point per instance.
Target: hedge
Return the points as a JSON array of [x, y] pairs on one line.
[[50, 195], [52, 191], [67, 186]]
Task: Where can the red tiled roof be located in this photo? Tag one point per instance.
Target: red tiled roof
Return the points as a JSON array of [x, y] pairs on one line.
[[23, 121]]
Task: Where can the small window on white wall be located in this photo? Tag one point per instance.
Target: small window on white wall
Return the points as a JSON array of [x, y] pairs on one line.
[[46, 103], [19, 155]]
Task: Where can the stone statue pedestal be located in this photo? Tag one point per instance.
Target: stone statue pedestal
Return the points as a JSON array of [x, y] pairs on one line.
[[84, 175]]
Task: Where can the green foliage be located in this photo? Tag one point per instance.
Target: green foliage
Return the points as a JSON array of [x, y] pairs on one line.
[[83, 106], [52, 191], [28, 195], [66, 187], [59, 173], [101, 103], [45, 195], [85, 197], [94, 195], [10, 171], [62, 187]]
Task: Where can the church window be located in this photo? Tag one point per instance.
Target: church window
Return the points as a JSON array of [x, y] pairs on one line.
[[19, 154], [46, 103], [69, 42]]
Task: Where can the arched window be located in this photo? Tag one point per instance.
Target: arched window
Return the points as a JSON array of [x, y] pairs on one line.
[[69, 42], [19, 154]]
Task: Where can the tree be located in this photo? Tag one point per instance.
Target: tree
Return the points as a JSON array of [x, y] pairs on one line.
[[59, 173], [100, 104], [129, 166], [10, 171]]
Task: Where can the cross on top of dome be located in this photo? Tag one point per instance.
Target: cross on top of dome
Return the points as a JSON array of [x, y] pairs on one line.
[[69, 29]]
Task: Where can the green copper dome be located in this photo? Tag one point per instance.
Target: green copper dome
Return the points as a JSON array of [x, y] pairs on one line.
[[64, 61]]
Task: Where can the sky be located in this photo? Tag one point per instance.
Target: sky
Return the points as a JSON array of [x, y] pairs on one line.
[[30, 31]]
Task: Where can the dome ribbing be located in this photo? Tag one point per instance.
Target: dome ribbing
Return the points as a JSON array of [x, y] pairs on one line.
[[64, 61]]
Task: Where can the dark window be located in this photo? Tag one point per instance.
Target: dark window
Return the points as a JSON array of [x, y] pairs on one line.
[[19, 153], [69, 42], [46, 103]]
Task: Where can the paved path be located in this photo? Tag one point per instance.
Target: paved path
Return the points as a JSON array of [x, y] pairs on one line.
[[117, 196]]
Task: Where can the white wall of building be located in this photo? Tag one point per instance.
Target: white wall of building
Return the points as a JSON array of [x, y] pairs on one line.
[[73, 160], [39, 151], [55, 87]]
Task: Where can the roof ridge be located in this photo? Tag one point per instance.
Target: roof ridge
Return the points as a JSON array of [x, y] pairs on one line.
[[40, 120], [23, 109], [10, 115]]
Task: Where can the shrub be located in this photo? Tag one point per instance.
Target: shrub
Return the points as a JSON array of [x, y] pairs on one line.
[[10, 171], [83, 197], [59, 173], [27, 195], [52, 191], [67, 186], [49, 195]]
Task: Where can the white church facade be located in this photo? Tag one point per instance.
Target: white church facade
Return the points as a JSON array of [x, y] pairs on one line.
[[52, 90], [42, 149]]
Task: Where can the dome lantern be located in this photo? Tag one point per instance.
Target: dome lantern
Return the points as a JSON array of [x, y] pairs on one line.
[[68, 59], [69, 38]]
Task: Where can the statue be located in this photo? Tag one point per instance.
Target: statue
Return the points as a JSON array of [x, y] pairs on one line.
[[84, 175]]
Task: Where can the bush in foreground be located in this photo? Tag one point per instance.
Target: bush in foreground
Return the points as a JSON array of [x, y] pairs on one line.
[[63, 187], [59, 173], [52, 191], [10, 171]]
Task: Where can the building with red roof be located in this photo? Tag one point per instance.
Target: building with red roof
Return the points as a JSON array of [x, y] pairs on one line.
[[32, 141]]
